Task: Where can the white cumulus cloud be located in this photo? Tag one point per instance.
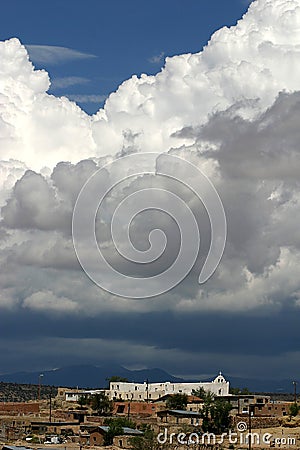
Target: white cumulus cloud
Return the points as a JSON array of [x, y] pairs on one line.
[[232, 109]]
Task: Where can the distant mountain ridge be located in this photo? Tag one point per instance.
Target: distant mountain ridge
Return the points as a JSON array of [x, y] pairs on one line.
[[264, 385], [89, 376]]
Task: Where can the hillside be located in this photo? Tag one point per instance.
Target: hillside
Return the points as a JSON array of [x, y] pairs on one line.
[[13, 392]]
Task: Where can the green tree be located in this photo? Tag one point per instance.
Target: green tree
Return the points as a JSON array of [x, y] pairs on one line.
[[146, 442], [102, 404], [115, 428], [208, 399], [201, 392], [177, 401], [220, 417], [116, 378], [123, 421], [239, 391], [83, 401], [215, 414], [294, 409]]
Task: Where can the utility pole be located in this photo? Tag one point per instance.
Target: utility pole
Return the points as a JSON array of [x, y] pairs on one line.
[[147, 388], [250, 427], [128, 411], [40, 377], [50, 409], [129, 406], [295, 391]]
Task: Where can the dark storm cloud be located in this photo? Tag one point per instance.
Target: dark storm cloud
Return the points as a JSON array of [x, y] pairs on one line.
[[208, 341], [249, 307], [219, 109]]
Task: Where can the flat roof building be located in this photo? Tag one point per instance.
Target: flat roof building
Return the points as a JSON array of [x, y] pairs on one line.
[[119, 390]]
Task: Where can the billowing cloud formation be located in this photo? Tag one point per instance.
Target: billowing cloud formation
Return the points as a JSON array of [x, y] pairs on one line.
[[254, 166], [233, 110], [238, 63]]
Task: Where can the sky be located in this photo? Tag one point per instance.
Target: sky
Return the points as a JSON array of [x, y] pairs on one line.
[[113, 39], [208, 82]]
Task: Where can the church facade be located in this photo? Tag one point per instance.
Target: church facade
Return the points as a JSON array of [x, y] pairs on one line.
[[153, 391]]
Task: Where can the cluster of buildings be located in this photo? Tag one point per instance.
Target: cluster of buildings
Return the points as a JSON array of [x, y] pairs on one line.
[[66, 422]]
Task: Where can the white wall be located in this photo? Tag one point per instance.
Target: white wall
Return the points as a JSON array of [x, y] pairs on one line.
[[138, 391]]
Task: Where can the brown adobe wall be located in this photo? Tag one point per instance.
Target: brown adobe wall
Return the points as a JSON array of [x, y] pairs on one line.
[[18, 408]]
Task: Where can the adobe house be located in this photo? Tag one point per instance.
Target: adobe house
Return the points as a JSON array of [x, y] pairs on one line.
[[178, 416], [138, 409], [194, 403], [40, 427], [123, 441], [98, 434], [240, 403], [84, 438], [19, 408], [276, 409]]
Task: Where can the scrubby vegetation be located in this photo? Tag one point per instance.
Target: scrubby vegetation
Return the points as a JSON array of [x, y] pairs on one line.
[[13, 392]]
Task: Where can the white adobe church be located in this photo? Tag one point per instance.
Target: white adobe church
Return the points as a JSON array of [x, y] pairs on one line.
[[153, 391]]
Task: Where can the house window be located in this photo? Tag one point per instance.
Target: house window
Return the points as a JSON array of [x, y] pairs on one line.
[[121, 408], [120, 443]]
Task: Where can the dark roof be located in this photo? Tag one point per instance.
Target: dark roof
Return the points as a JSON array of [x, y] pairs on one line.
[[190, 398], [16, 447], [126, 430], [241, 396], [179, 412], [54, 424]]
